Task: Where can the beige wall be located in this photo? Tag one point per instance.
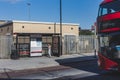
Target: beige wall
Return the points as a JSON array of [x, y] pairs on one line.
[[6, 30], [32, 28], [37, 27], [67, 29]]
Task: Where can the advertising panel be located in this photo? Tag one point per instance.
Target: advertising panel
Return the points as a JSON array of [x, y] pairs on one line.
[[36, 47]]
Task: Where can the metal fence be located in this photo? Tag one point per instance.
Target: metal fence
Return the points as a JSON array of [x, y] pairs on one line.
[[71, 45], [81, 44], [5, 46]]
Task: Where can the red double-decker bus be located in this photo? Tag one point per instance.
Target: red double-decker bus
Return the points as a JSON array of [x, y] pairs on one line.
[[108, 31]]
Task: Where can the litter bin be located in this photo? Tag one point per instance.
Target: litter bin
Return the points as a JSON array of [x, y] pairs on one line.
[[14, 54]]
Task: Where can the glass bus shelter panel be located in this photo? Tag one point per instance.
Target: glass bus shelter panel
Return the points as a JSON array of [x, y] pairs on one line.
[[45, 41], [23, 45]]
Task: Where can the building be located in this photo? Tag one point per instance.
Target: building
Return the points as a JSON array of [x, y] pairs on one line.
[[31, 38]]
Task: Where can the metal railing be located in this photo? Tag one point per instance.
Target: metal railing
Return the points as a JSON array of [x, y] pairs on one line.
[[81, 44]]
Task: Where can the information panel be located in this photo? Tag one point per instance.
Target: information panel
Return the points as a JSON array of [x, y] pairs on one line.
[[36, 47]]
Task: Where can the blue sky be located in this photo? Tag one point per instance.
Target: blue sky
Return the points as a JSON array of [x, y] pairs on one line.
[[83, 12]]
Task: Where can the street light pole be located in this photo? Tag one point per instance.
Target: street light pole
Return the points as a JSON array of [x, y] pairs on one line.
[[60, 27], [29, 16], [95, 42]]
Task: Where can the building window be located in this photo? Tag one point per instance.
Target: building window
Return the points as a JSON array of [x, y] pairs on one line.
[[49, 27], [71, 28], [22, 26]]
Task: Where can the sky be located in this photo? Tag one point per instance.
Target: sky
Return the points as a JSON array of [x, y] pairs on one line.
[[82, 12]]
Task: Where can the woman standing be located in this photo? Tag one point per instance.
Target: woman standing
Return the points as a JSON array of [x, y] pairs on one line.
[[49, 50]]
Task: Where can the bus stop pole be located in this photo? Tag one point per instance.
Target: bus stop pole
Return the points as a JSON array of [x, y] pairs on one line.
[[95, 42]]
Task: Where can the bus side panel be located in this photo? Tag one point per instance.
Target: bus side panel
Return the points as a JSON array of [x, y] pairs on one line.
[[106, 63]]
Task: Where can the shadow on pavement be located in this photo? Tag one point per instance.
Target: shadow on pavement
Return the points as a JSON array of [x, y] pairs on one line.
[[80, 63], [76, 59], [89, 65]]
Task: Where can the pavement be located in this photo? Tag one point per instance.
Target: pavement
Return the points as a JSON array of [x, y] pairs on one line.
[[31, 63]]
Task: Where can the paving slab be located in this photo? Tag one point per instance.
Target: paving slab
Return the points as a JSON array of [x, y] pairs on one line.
[[30, 63]]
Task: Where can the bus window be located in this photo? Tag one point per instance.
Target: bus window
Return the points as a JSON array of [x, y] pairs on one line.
[[109, 8], [104, 11], [114, 40], [104, 41]]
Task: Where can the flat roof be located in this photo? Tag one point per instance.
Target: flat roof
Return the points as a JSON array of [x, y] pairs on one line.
[[34, 22], [6, 22], [43, 22]]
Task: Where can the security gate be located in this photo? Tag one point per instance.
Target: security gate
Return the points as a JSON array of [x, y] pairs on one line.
[[86, 44], [5, 46], [81, 44], [70, 44]]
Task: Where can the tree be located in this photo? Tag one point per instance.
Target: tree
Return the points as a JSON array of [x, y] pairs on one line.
[[86, 32]]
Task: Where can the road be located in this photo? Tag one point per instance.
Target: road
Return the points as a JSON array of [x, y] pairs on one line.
[[75, 71]]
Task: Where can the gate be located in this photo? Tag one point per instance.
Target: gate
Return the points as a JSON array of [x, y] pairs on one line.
[[86, 44], [70, 45], [81, 44], [5, 46]]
